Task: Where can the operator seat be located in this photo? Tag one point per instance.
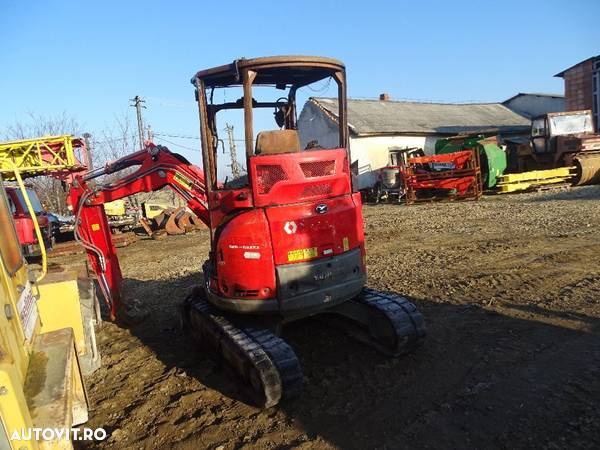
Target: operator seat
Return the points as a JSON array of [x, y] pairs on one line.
[[277, 141]]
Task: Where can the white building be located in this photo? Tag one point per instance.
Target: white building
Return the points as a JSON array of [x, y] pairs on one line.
[[533, 104], [376, 126]]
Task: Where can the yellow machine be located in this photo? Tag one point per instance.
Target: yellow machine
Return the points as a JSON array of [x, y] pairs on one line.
[[47, 342], [153, 209], [42, 156], [115, 208]]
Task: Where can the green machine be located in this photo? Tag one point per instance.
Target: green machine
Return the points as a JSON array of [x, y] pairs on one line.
[[493, 158]]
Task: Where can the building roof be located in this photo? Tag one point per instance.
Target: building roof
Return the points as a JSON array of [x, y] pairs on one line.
[[373, 117], [561, 74], [533, 94]]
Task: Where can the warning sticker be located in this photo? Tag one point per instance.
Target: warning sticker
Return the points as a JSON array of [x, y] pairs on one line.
[[302, 253], [28, 313], [182, 180]]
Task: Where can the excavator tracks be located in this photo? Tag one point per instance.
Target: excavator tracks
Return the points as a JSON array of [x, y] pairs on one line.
[[396, 327], [267, 365]]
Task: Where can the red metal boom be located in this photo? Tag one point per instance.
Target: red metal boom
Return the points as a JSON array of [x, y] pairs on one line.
[[157, 167]]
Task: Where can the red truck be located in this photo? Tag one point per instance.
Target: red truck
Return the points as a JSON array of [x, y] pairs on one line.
[[24, 223]]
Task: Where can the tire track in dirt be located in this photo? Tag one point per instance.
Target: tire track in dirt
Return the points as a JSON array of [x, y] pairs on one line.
[[509, 287]]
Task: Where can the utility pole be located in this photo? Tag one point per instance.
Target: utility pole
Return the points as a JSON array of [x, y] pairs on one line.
[[236, 169], [137, 104], [150, 133], [88, 157]]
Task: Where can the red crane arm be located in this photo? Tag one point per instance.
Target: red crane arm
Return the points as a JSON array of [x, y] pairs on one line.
[[157, 167]]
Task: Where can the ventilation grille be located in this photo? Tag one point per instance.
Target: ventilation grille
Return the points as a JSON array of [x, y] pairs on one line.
[[267, 175], [318, 168], [316, 189]]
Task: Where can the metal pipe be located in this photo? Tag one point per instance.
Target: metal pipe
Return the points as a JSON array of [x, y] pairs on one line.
[[249, 76], [36, 225]]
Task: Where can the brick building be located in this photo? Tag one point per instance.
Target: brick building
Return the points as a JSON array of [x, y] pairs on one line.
[[582, 87]]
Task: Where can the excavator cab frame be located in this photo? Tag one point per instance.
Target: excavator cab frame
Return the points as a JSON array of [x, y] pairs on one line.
[[281, 73]]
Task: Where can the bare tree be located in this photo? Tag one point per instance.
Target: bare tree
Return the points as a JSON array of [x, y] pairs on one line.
[[38, 125], [118, 139], [115, 140]]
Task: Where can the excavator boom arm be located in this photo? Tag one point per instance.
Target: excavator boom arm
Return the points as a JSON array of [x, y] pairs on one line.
[[157, 167]]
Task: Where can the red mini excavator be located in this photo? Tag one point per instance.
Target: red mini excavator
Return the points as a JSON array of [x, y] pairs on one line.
[[286, 239]]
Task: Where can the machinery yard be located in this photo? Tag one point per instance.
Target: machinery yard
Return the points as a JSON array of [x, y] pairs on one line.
[[509, 288], [369, 237]]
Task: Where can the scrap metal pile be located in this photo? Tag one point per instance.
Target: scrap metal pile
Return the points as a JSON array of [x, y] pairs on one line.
[[450, 176], [172, 221]]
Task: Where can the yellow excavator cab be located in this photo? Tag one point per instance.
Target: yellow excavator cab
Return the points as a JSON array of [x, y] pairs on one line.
[[42, 341]]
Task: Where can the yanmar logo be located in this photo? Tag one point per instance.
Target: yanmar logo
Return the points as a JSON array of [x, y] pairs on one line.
[[322, 276], [321, 208]]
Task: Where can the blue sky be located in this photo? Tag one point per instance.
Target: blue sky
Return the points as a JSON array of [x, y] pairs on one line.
[[89, 58]]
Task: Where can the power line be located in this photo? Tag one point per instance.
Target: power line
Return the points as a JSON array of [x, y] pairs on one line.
[[106, 141], [177, 145], [180, 136], [183, 136]]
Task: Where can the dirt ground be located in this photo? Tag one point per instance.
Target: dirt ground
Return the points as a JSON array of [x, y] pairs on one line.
[[510, 290]]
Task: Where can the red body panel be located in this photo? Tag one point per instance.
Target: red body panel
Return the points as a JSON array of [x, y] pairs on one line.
[[295, 228], [244, 258], [299, 177], [303, 210], [25, 230], [226, 201], [24, 224]]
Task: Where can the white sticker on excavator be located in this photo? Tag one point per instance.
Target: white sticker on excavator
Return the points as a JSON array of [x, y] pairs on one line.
[[28, 313], [290, 227]]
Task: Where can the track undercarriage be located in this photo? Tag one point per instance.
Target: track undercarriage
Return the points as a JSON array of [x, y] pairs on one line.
[[269, 367]]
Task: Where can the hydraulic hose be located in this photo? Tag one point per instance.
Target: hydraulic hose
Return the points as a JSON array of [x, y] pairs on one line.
[[102, 283], [36, 225]]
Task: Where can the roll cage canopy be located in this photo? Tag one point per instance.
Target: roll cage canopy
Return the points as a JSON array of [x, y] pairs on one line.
[[280, 72]]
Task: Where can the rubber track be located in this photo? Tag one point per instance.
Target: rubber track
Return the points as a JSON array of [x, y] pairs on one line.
[[284, 358], [404, 317], [274, 360]]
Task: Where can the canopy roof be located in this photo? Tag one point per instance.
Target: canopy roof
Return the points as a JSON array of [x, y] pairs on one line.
[[272, 70]]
